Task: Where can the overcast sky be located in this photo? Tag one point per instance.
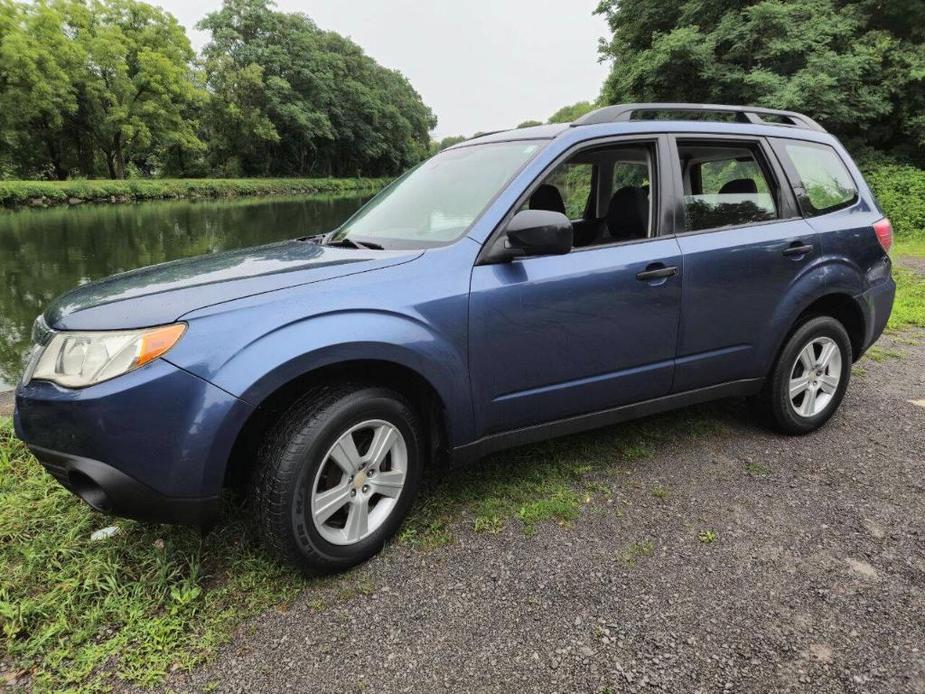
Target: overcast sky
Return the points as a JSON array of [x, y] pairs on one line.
[[479, 64]]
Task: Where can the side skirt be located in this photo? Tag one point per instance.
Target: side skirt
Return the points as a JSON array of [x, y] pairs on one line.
[[572, 425]]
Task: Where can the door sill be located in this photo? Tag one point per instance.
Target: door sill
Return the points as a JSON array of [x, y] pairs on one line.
[[594, 420]]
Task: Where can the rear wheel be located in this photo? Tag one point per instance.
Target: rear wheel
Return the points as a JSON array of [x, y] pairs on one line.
[[337, 476], [810, 377]]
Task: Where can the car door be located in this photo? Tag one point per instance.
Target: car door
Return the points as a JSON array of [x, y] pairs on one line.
[[744, 244], [558, 336]]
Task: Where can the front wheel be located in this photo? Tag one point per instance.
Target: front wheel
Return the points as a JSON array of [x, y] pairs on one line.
[[337, 476], [810, 377]]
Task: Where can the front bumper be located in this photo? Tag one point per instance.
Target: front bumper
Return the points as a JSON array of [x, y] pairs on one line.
[[110, 490], [152, 444]]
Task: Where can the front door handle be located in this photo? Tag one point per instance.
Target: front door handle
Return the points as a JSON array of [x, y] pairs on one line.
[[798, 248], [657, 273]]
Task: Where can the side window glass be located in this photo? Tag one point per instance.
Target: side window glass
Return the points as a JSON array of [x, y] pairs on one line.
[[605, 191], [725, 185], [826, 183], [573, 181]]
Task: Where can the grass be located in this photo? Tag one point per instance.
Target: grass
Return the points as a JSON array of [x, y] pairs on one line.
[[880, 354], [76, 614], [44, 193], [82, 615]]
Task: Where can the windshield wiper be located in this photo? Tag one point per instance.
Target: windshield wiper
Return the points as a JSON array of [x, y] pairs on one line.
[[347, 242]]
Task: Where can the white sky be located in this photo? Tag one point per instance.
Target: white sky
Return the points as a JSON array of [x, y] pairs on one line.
[[479, 64]]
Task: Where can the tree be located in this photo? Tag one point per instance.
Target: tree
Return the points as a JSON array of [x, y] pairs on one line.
[[529, 124], [39, 67], [567, 114], [858, 66], [106, 80], [138, 87], [289, 98]]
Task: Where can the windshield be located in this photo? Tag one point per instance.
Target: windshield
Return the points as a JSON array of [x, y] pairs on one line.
[[439, 200]]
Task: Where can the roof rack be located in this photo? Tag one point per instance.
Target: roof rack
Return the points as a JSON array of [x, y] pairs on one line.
[[743, 114]]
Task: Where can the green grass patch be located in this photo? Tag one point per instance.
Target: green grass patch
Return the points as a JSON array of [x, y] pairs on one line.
[[78, 614], [636, 551], [909, 305], [881, 354], [44, 193], [707, 537], [757, 469]]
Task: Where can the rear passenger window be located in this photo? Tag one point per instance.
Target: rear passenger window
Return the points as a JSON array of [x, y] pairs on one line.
[[826, 183], [725, 185]]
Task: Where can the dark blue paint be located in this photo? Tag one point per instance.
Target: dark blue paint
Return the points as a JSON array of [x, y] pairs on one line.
[[503, 346]]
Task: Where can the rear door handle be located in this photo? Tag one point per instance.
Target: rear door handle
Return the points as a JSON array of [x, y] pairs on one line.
[[657, 273], [798, 248]]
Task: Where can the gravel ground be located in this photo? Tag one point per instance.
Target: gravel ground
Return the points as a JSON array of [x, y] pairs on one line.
[[815, 580]]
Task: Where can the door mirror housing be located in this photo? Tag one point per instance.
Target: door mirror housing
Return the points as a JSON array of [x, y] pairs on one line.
[[533, 232]]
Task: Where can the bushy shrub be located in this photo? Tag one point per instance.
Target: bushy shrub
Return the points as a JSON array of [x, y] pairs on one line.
[[900, 188]]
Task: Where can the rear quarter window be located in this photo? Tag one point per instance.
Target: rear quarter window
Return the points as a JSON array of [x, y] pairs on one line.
[[827, 185]]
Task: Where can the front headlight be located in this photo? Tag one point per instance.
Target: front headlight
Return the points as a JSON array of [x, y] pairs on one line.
[[79, 359]]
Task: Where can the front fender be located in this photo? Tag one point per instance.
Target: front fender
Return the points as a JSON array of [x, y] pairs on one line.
[[273, 359]]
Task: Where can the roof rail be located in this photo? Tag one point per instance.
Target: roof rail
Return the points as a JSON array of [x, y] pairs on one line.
[[744, 114]]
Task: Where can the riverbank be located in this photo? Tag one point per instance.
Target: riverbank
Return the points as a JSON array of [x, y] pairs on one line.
[[14, 194]]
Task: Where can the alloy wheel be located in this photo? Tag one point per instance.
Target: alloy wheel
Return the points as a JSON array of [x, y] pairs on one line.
[[814, 377], [359, 481]]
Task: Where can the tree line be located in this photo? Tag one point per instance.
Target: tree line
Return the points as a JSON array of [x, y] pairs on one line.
[[113, 88]]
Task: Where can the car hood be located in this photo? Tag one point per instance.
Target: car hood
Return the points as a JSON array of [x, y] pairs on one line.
[[163, 293]]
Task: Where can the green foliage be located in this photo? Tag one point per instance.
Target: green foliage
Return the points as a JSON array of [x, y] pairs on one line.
[[529, 124], [17, 193], [900, 190], [291, 99], [111, 88], [856, 65], [88, 84], [446, 142], [567, 114]]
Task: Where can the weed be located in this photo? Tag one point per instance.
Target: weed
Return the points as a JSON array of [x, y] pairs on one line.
[[661, 493], [757, 469], [637, 550], [707, 536]]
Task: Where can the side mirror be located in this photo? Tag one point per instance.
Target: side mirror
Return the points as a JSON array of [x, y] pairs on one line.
[[534, 232]]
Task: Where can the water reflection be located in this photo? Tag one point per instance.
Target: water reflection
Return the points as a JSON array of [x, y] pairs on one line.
[[43, 253]]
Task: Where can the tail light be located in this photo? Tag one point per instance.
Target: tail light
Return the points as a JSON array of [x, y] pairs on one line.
[[884, 231]]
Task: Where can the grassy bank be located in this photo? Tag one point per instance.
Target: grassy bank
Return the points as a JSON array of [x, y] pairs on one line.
[[47, 193]]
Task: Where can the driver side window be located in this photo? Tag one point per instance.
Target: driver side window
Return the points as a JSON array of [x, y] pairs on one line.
[[607, 192]]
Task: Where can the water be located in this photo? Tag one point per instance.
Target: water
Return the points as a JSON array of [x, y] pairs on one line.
[[43, 253]]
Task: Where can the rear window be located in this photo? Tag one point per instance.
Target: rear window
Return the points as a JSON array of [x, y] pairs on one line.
[[827, 185]]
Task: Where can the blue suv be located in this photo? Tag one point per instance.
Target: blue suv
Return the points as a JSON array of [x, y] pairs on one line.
[[521, 285]]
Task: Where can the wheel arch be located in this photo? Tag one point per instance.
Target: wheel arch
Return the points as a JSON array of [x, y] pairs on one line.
[[838, 304], [423, 395]]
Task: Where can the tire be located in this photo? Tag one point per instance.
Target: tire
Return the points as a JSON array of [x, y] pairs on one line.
[[811, 407], [309, 452]]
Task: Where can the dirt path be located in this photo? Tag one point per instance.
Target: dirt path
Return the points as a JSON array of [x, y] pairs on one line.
[[815, 580]]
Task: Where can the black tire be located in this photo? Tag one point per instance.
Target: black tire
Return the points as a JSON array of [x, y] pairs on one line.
[[774, 401], [288, 464]]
